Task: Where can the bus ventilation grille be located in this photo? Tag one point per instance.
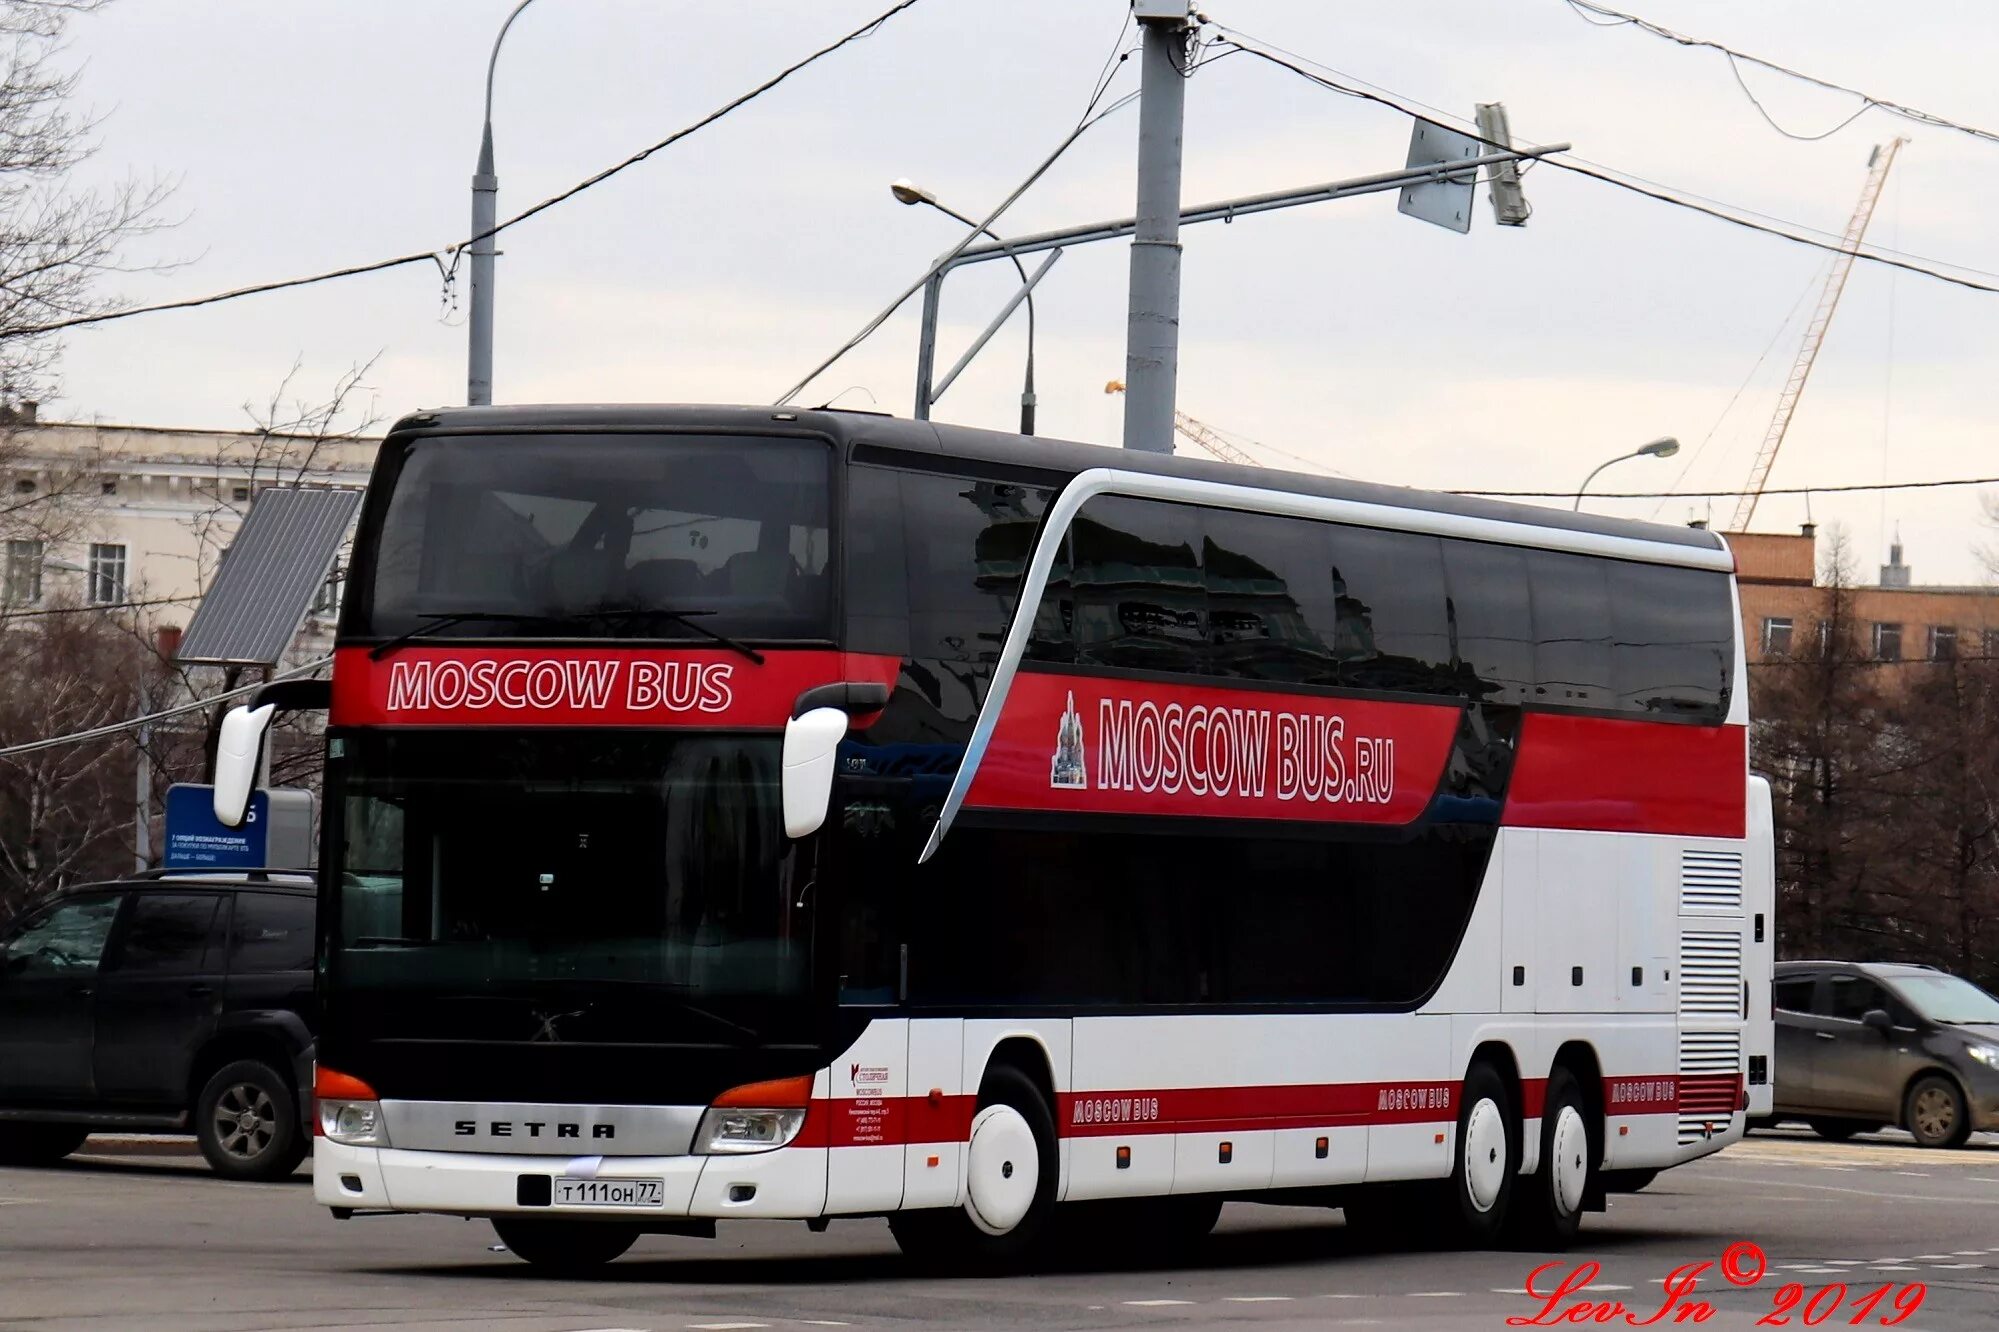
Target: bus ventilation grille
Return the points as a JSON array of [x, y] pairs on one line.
[[1711, 881], [1710, 975], [1710, 1083]]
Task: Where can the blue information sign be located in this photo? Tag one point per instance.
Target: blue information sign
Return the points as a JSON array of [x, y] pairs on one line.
[[196, 839]]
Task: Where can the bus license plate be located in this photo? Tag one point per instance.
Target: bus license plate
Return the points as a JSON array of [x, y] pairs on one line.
[[610, 1192]]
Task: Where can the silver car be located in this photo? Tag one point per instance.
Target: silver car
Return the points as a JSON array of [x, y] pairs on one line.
[[1869, 1045]]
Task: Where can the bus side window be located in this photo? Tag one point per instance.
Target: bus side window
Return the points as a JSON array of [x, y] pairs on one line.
[[1674, 650], [1138, 593], [1272, 614], [968, 543], [877, 588], [1572, 633], [1489, 621], [1393, 624]]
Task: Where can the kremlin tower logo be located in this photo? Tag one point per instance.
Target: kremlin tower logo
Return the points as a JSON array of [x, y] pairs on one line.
[[1067, 770]]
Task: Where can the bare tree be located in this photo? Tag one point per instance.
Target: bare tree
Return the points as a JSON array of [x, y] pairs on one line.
[[56, 241]]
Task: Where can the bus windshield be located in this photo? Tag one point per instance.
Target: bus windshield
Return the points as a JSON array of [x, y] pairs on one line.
[[537, 866], [580, 531]]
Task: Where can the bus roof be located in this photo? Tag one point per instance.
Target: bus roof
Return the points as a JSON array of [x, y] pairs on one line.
[[881, 438]]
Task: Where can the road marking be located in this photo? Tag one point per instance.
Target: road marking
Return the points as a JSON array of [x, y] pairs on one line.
[[19, 1202], [1606, 1286], [1257, 1299], [1933, 1257], [1154, 1304], [1343, 1296], [1844, 1262], [1913, 1174], [1969, 1253], [1811, 1271], [1865, 1193], [1894, 1267], [1843, 1169], [1955, 1267]]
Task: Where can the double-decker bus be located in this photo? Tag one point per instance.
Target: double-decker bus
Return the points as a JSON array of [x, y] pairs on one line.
[[737, 812]]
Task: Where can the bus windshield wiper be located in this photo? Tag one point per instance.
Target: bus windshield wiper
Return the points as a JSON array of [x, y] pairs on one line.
[[689, 619], [432, 621]]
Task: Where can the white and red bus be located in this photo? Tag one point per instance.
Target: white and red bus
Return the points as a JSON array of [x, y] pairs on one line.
[[747, 813]]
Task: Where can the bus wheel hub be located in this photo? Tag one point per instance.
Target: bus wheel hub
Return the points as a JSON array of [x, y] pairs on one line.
[[1002, 1169]]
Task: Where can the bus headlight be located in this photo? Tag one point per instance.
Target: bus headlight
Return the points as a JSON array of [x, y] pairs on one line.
[[758, 1117], [350, 1113]]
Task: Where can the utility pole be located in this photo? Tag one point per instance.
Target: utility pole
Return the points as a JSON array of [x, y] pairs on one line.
[[1152, 326], [479, 321]]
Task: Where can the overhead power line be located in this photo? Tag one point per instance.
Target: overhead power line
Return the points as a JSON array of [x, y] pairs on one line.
[[1867, 487], [453, 251], [134, 723], [1617, 18], [1608, 175]]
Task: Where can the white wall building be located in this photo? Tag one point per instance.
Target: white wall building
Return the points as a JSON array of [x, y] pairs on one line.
[[138, 516]]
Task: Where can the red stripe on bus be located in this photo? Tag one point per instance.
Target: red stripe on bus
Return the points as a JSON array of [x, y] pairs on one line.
[[587, 686], [1629, 776], [1092, 744], [895, 1120]]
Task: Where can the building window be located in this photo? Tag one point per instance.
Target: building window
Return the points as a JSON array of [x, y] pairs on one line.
[[239, 493], [1991, 652], [107, 574], [24, 572], [1887, 642], [24, 485], [108, 486], [1776, 636], [1943, 642]]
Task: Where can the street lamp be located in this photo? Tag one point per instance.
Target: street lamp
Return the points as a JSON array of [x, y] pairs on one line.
[[908, 192], [1659, 448], [485, 210]]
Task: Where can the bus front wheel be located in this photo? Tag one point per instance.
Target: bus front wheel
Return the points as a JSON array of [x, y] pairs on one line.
[[1010, 1168]]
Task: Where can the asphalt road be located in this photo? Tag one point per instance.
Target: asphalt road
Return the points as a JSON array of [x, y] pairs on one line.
[[151, 1241]]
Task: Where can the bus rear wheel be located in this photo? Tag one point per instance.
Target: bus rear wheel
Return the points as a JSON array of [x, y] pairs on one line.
[[1487, 1159], [564, 1247], [1549, 1210], [1010, 1169]]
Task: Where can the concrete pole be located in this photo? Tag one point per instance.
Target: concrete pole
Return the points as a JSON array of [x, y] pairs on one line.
[[479, 322], [1152, 328]]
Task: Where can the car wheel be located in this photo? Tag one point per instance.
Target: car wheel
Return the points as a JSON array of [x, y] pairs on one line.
[[1934, 1112], [1837, 1130], [567, 1248], [38, 1144], [246, 1121], [1488, 1158], [1548, 1210], [1010, 1176]]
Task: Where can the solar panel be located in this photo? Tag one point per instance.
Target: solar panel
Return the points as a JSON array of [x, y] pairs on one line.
[[269, 576]]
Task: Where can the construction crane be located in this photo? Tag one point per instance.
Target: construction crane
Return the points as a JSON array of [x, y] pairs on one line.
[[1200, 433], [1878, 163]]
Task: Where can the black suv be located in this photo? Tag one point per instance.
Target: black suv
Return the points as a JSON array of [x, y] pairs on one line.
[[1861, 1045], [171, 1002]]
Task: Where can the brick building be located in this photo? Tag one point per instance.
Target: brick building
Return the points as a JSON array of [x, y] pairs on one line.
[[1784, 600]]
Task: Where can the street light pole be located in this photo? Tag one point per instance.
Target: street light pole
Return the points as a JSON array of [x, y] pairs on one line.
[[1664, 447], [907, 192], [485, 214]]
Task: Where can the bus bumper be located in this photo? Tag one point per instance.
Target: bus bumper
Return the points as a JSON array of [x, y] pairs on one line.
[[789, 1182]]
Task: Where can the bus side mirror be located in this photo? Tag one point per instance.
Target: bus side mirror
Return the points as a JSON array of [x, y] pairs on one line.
[[810, 742], [237, 754]]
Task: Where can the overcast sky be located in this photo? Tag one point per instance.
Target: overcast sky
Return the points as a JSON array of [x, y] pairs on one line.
[[313, 134]]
